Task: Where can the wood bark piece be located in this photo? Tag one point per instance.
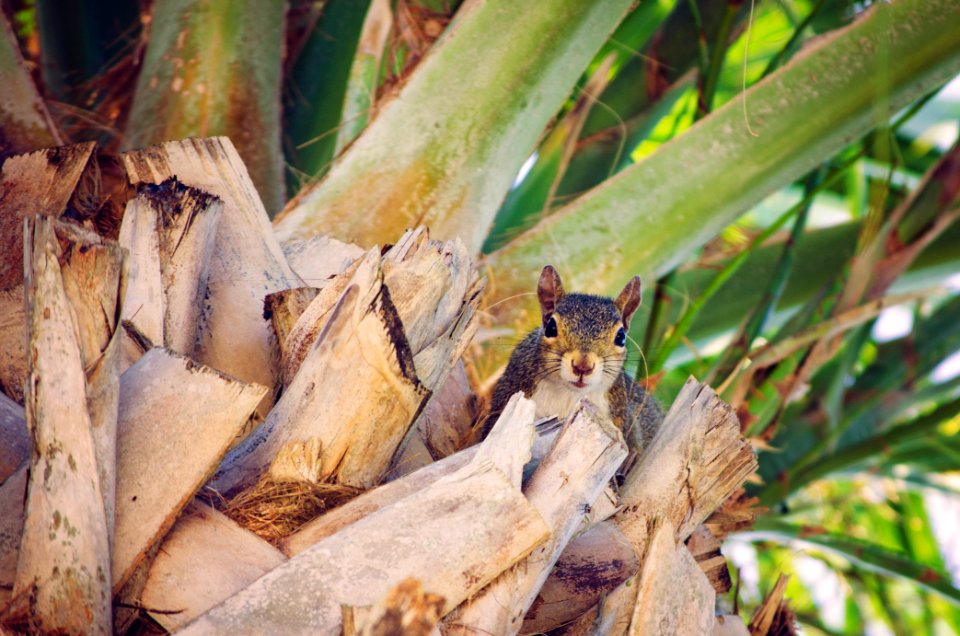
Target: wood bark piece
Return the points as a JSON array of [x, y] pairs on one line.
[[302, 336], [318, 259], [585, 457], [94, 280], [12, 499], [63, 570], [40, 182], [247, 261], [205, 559], [448, 418], [170, 231], [697, 459], [705, 549], [454, 536], [673, 596], [764, 616], [283, 309], [349, 406], [593, 564], [372, 501], [14, 437], [164, 454], [13, 343]]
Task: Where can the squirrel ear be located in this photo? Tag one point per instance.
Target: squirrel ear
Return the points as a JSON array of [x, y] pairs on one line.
[[628, 300], [549, 291]]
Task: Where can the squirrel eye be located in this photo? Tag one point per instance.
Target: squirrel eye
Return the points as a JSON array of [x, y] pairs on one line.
[[550, 329], [621, 338]]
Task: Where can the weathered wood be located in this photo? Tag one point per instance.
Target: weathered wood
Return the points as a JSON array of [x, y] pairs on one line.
[[163, 457], [94, 280], [13, 493], [14, 437], [374, 500], [318, 259], [697, 459], [592, 565], [311, 322], [454, 536], [169, 230], [355, 396], [585, 456], [283, 309], [205, 559], [247, 261], [13, 343], [765, 616], [448, 419], [705, 549], [63, 569], [40, 182], [673, 596]]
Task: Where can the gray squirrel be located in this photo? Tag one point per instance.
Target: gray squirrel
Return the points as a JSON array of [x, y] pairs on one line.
[[578, 351]]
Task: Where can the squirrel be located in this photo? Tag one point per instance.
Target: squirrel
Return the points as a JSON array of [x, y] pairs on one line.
[[578, 352]]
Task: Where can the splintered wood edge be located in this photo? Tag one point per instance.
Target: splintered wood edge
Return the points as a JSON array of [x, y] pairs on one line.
[[699, 425], [40, 182]]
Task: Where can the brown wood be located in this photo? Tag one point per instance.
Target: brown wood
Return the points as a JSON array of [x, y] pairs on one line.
[[592, 565], [372, 501], [247, 262], [318, 259], [13, 343], [205, 559], [63, 569], [697, 459], [13, 493], [163, 456], [705, 549], [40, 182]]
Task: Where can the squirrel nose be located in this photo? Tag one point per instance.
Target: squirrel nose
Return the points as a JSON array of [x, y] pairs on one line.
[[581, 368]]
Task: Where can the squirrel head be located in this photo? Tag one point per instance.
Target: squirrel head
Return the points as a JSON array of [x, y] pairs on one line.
[[583, 338]]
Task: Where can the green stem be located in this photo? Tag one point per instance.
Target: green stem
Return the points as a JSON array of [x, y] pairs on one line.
[[731, 357], [787, 49], [686, 320], [708, 87], [871, 556], [874, 446]]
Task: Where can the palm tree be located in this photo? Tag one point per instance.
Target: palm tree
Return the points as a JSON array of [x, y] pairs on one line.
[[784, 175]]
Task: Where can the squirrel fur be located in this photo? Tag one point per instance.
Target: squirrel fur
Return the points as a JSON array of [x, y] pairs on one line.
[[578, 352]]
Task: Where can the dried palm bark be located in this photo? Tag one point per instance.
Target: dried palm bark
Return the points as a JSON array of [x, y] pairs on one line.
[[205, 559], [170, 231], [584, 458], [162, 397], [454, 536], [63, 569], [40, 182], [247, 262]]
